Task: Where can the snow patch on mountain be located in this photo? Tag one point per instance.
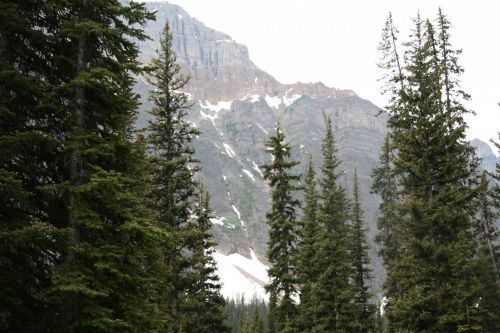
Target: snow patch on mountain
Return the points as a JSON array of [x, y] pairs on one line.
[[229, 150], [206, 105], [273, 102], [290, 100], [207, 116], [219, 221], [241, 276], [249, 174], [256, 168], [263, 129], [221, 105], [237, 212]]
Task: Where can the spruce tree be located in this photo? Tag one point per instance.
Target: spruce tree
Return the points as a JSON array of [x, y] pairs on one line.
[[488, 215], [488, 256], [364, 311], [204, 305], [308, 271], [436, 271], [389, 219], [30, 241], [282, 221], [332, 294], [173, 192], [103, 283], [385, 185]]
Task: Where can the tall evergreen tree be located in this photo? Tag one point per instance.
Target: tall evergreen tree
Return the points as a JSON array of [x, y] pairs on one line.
[[30, 242], [488, 215], [308, 271], [332, 294], [204, 305], [364, 311], [173, 192], [389, 219], [103, 285], [385, 185], [436, 271], [488, 256], [282, 221], [47, 79]]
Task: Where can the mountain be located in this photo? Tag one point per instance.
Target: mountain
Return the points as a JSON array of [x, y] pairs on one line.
[[489, 159], [236, 106]]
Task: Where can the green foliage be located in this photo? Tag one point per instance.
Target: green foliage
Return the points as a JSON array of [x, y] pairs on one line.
[[68, 169], [332, 293], [308, 271], [247, 316], [173, 190], [30, 208], [364, 312], [191, 295], [434, 270], [203, 308], [282, 221]]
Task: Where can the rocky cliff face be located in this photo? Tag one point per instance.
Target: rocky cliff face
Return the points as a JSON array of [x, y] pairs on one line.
[[219, 66], [489, 159], [236, 106]]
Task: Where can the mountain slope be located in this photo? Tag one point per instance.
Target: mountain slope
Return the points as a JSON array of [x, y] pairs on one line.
[[236, 106]]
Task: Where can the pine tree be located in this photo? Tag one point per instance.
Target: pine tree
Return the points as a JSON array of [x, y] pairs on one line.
[[30, 209], [307, 251], [364, 311], [389, 219], [486, 222], [254, 323], [282, 221], [436, 271], [332, 293], [385, 185], [173, 193], [104, 284], [488, 256], [204, 305]]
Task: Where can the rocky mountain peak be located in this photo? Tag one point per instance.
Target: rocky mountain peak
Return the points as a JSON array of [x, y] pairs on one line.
[[488, 159], [236, 106], [219, 66]]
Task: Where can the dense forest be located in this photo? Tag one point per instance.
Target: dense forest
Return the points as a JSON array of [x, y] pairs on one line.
[[106, 228]]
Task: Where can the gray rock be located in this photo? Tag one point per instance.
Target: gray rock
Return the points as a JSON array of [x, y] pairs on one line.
[[236, 106]]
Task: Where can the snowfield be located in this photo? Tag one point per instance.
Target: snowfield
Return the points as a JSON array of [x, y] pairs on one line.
[[241, 276]]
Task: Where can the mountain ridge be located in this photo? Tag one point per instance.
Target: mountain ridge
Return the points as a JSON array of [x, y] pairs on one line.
[[236, 105]]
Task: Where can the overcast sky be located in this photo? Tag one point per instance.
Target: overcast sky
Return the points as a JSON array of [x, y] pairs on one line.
[[335, 42]]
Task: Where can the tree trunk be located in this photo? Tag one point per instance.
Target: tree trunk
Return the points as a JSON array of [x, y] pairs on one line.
[[76, 171]]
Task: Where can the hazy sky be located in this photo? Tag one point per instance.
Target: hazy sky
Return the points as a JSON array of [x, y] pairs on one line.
[[335, 42]]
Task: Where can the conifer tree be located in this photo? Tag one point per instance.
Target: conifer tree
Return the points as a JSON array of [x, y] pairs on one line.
[[332, 294], [364, 311], [385, 185], [103, 284], [30, 241], [173, 193], [486, 222], [254, 323], [436, 271], [282, 221], [204, 305], [307, 251], [389, 219], [488, 256]]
